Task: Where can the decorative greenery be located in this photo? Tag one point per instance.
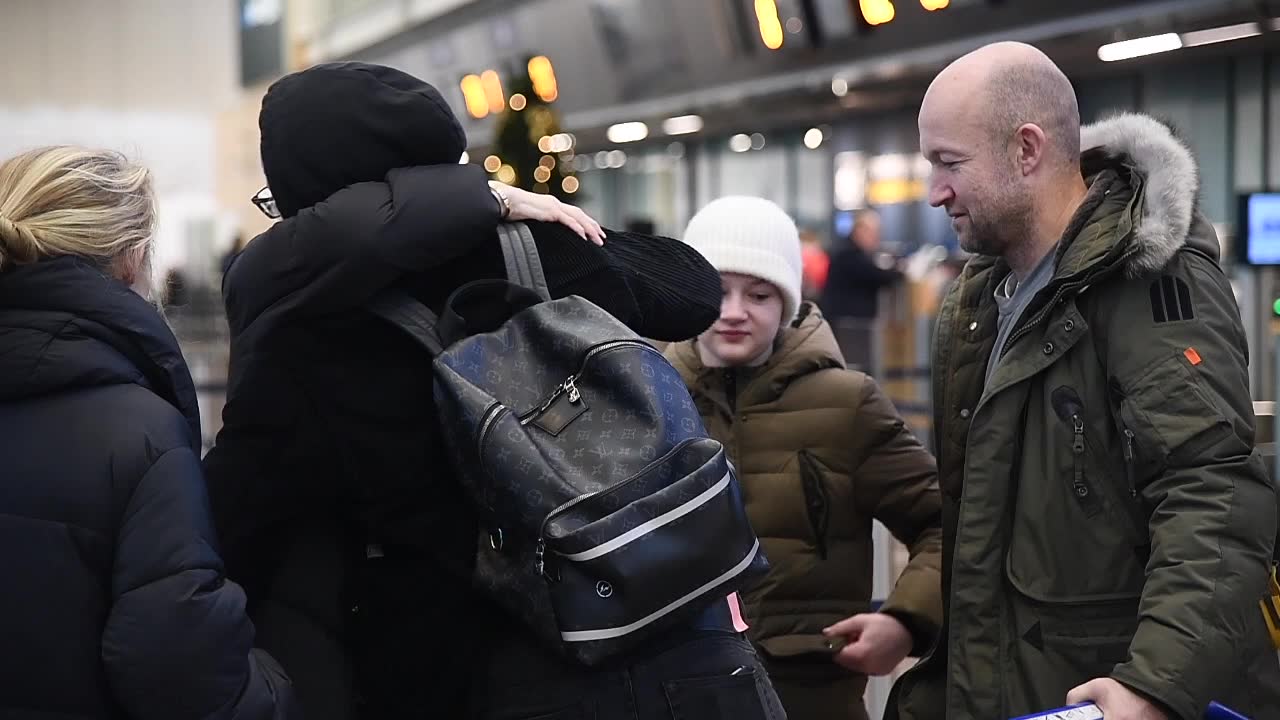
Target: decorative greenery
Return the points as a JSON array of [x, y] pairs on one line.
[[532, 152]]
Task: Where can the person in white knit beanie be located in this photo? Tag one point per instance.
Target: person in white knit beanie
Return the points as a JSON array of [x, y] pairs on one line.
[[820, 452], [756, 247]]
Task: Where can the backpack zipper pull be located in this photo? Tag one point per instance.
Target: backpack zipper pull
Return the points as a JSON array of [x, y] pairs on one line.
[[574, 395], [539, 557]]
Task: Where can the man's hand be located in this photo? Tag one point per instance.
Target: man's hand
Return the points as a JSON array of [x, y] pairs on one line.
[[877, 643], [527, 205], [1116, 701]]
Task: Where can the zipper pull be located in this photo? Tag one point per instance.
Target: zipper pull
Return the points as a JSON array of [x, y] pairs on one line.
[[1077, 425], [1128, 462], [539, 557], [562, 388], [1077, 449]]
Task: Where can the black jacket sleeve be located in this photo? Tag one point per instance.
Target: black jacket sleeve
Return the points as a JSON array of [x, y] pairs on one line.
[[661, 288], [337, 254], [177, 642]]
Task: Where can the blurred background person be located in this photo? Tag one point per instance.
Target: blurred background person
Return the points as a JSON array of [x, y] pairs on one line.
[[820, 452], [856, 278], [815, 262], [115, 603]]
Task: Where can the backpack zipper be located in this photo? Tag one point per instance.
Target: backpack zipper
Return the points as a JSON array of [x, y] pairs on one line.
[[487, 423], [569, 387], [540, 549]]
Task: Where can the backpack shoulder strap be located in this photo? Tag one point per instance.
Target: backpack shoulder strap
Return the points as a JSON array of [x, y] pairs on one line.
[[402, 310], [520, 254]]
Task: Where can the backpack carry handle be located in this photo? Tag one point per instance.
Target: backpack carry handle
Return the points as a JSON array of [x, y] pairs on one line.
[[482, 306], [525, 286]]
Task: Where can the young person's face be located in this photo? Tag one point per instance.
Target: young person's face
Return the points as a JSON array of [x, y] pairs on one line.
[[750, 318]]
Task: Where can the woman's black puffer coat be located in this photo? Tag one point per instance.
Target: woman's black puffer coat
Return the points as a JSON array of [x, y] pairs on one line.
[[113, 601]]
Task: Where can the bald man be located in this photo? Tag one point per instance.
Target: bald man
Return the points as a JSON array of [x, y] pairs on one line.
[[1108, 525]]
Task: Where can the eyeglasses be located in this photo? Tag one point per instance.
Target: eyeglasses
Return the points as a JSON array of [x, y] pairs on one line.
[[267, 204]]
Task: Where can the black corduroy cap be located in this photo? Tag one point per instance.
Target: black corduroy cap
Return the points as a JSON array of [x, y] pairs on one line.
[[337, 124]]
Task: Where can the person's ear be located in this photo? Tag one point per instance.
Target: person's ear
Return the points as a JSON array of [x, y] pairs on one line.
[[132, 267], [1030, 146]]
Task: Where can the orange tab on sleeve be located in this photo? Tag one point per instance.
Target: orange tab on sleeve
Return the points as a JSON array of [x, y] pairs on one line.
[[1192, 356]]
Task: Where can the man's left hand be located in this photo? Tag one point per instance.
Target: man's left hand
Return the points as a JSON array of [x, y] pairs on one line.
[[877, 643], [1116, 701]]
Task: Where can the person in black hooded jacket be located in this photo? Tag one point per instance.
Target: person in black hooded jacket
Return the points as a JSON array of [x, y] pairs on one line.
[[115, 603], [329, 479]]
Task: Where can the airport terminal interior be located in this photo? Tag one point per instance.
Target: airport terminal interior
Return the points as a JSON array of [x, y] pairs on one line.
[[643, 111]]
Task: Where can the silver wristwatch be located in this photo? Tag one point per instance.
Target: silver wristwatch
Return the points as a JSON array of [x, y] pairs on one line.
[[504, 202]]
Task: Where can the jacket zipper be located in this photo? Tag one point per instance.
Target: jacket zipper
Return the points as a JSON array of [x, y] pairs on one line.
[[815, 500], [1077, 461], [541, 548], [569, 387], [1128, 462]]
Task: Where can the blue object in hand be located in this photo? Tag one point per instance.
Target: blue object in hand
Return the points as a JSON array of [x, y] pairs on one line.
[[1089, 711], [1083, 711], [1219, 712]]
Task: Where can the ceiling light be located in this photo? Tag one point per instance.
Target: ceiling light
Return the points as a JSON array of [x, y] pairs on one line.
[[1221, 34], [839, 87], [1138, 47], [559, 143], [740, 143], [682, 125], [769, 22], [813, 138], [627, 132]]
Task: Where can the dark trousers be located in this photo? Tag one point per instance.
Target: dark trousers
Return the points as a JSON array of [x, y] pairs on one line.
[[705, 675]]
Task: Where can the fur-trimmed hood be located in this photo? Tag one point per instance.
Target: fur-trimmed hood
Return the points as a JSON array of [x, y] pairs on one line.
[[1172, 183]]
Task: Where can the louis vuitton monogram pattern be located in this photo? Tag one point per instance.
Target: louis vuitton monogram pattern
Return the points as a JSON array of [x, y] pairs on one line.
[[565, 409]]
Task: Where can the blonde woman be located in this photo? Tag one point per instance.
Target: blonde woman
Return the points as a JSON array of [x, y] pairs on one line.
[[114, 602], [821, 452]]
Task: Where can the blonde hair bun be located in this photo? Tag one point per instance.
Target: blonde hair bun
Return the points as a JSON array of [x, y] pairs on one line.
[[67, 200]]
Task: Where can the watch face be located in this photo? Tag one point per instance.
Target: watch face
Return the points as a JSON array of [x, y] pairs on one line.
[[504, 205]]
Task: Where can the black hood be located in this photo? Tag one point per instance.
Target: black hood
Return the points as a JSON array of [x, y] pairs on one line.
[[338, 124], [65, 325]]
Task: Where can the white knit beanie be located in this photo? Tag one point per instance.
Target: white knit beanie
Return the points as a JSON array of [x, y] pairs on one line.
[[751, 236]]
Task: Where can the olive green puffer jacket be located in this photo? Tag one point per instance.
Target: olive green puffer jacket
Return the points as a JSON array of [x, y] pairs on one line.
[[1105, 511]]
